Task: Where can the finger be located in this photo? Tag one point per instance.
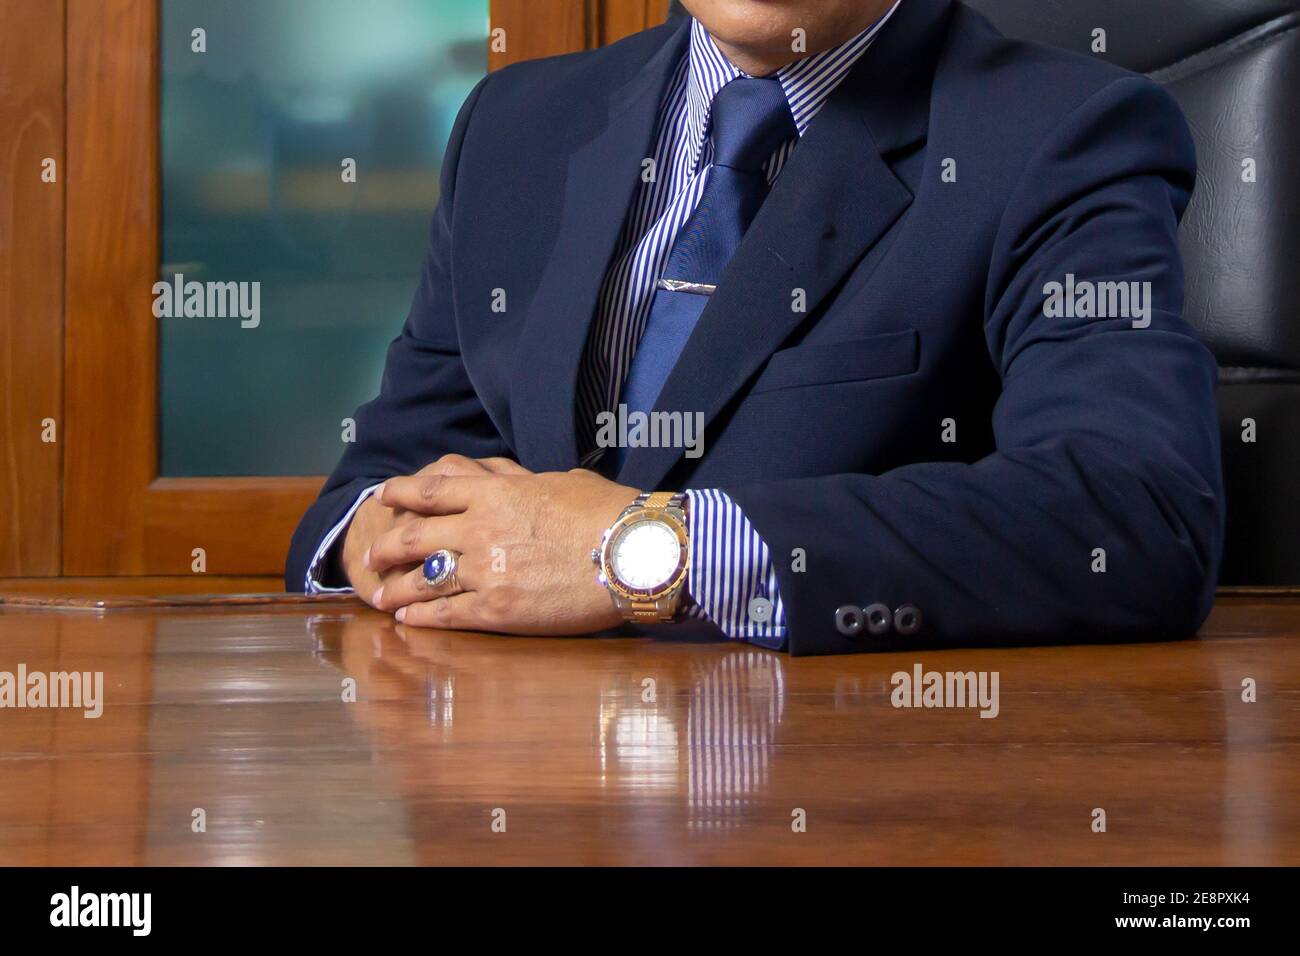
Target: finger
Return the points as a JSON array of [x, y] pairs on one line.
[[392, 574], [412, 588], [432, 494], [455, 465], [504, 466], [459, 612], [415, 540]]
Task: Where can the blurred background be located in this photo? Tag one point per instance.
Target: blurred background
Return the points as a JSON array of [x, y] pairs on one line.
[[253, 137], [150, 139]]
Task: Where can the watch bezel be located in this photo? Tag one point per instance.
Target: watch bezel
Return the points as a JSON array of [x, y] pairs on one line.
[[624, 525]]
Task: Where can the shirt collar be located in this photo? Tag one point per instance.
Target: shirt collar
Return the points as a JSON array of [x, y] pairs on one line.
[[807, 83]]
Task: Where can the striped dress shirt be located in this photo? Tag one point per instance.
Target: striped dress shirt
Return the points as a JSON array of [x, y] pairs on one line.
[[732, 579]]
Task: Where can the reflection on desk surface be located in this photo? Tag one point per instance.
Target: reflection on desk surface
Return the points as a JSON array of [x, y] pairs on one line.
[[323, 733]]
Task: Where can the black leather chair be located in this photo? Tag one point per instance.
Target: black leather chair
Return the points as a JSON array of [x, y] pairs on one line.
[[1234, 67]]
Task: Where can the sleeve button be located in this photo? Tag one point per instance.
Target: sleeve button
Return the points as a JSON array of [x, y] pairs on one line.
[[848, 620], [878, 619], [907, 619]]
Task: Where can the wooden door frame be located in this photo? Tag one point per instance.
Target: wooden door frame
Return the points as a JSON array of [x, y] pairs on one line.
[[120, 517], [32, 167]]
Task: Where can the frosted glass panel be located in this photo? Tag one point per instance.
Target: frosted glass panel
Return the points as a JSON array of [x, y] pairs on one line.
[[257, 126]]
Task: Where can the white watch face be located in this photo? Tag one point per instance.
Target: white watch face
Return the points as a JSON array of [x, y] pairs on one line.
[[646, 555]]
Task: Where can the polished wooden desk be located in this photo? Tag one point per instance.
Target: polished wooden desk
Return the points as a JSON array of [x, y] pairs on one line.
[[635, 751]]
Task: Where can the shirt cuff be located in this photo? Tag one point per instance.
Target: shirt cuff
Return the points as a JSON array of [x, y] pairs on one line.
[[315, 570], [732, 579]]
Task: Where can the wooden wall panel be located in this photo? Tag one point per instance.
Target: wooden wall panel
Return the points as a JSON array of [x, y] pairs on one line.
[[31, 284], [618, 18], [111, 359], [536, 28]]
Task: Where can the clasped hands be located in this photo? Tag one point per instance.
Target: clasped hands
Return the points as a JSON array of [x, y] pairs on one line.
[[524, 542]]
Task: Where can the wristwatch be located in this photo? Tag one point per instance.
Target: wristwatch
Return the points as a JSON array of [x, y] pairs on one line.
[[643, 557]]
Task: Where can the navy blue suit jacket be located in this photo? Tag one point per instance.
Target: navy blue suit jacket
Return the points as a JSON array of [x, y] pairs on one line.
[[923, 432]]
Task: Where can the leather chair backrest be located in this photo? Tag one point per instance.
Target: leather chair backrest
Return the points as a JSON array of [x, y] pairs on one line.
[[1234, 67]]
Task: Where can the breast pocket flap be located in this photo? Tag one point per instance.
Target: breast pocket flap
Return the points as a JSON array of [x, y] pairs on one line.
[[829, 363]]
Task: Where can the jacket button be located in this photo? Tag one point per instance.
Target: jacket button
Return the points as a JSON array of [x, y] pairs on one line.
[[848, 620], [878, 619], [907, 619]]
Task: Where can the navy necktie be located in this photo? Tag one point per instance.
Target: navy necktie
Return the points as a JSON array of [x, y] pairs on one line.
[[750, 119]]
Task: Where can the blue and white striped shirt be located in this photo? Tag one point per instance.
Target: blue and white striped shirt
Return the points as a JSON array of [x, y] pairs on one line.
[[731, 580]]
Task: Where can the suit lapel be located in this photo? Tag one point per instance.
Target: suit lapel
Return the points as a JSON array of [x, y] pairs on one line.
[[835, 199], [602, 179]]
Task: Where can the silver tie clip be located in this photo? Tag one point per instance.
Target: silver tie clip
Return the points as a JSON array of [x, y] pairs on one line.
[[694, 288]]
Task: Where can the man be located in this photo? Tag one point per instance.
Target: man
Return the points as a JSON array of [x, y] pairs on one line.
[[919, 283]]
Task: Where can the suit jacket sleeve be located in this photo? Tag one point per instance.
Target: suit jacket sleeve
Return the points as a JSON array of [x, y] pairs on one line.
[[426, 406], [1106, 433]]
